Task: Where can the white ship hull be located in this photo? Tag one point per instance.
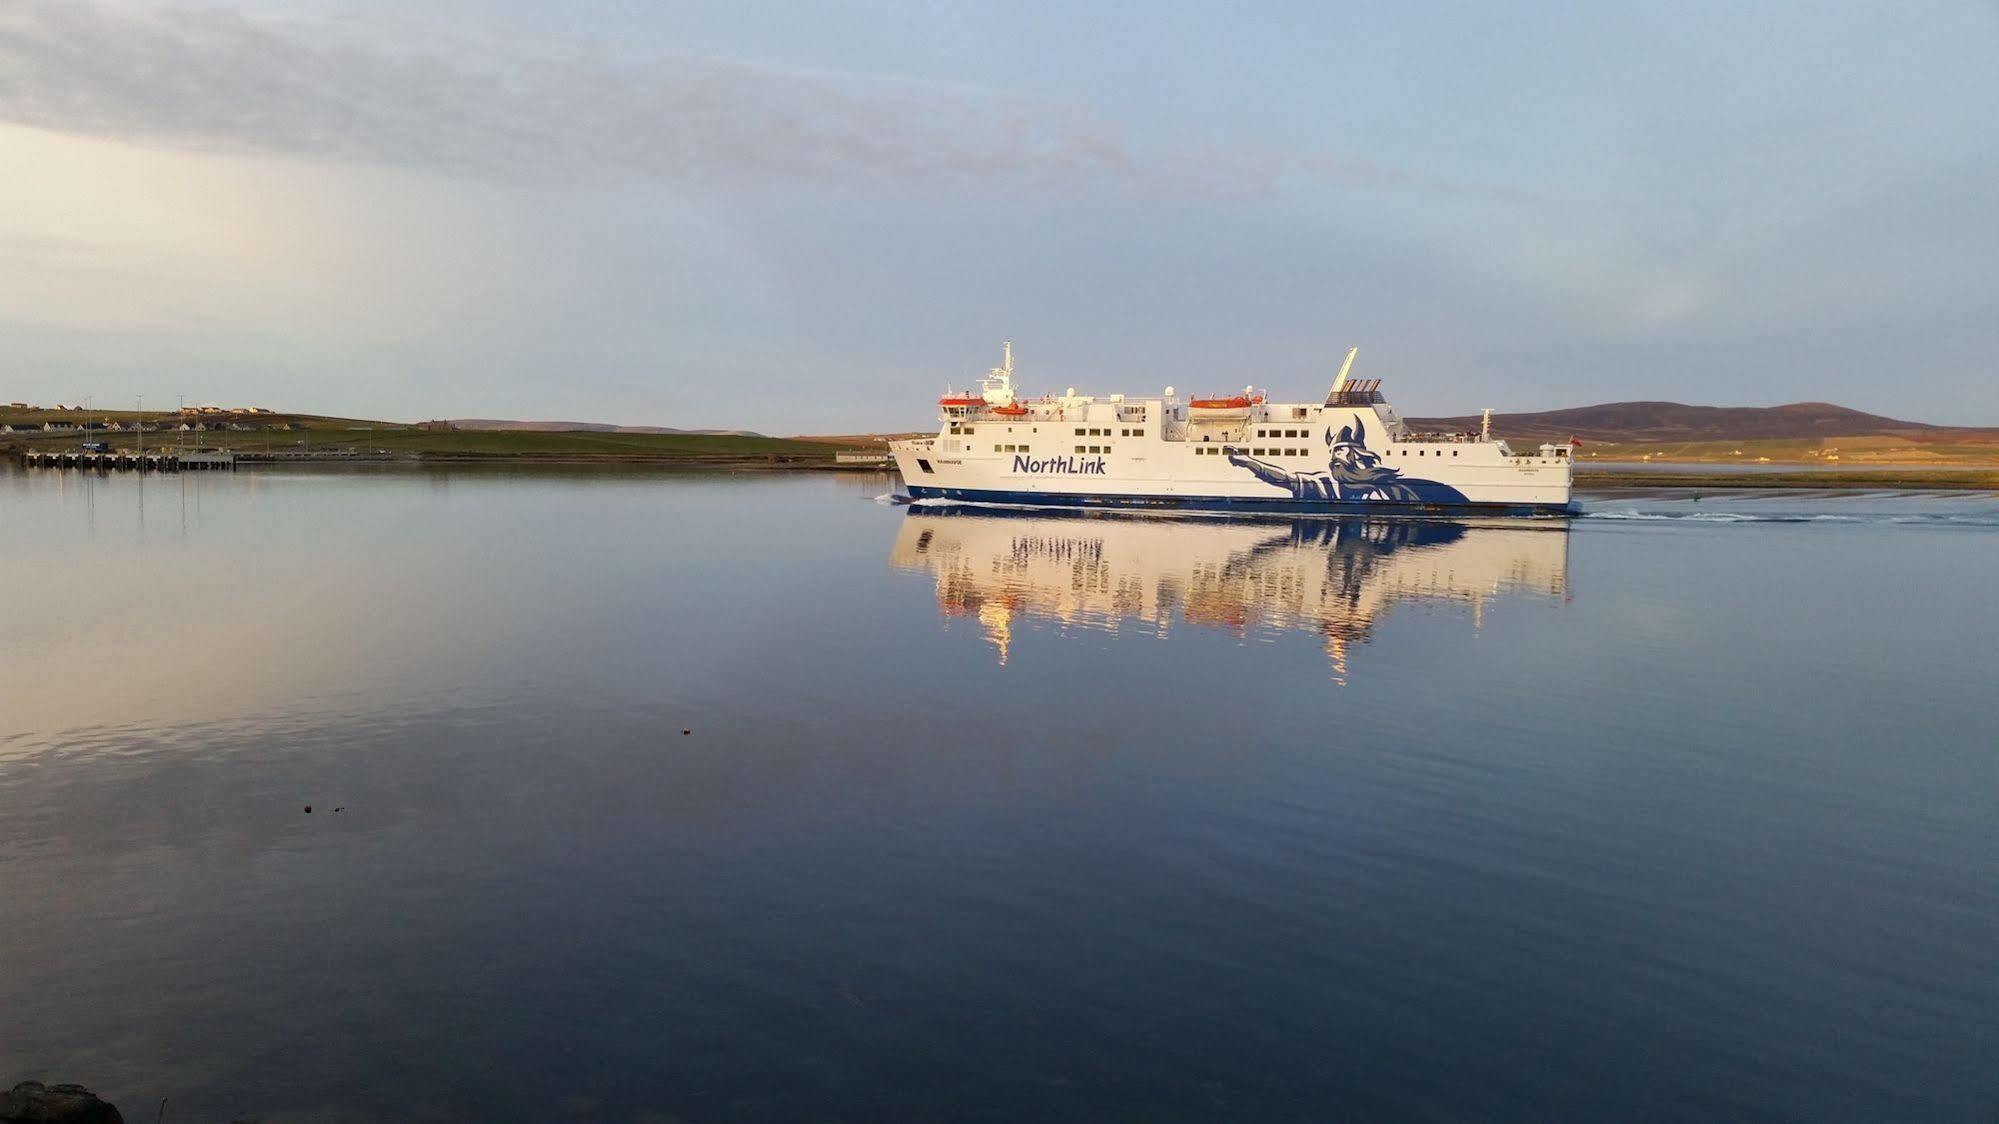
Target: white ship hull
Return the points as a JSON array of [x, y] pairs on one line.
[[1350, 455]]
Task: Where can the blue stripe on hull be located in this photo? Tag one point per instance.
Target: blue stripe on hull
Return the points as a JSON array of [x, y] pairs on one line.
[[1285, 506]]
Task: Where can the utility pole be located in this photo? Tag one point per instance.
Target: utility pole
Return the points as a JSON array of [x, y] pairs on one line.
[[139, 420]]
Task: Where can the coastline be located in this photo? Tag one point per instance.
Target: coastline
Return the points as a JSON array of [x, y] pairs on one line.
[[1913, 478], [1935, 477]]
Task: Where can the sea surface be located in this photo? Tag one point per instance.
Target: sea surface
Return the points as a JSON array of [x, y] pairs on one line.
[[757, 798]]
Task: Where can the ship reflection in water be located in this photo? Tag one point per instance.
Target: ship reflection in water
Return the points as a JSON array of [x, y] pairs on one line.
[[1337, 578]]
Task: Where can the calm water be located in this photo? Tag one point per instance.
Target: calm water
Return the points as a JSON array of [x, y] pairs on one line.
[[1686, 811]]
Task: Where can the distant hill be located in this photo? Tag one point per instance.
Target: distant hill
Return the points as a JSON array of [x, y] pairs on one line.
[[589, 427], [1675, 422]]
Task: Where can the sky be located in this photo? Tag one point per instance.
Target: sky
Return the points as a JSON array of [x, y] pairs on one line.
[[803, 217]]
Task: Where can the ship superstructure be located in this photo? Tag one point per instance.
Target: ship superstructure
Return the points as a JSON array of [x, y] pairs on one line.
[[1350, 454]]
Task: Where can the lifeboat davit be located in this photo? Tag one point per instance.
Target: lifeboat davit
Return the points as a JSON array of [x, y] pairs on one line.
[[1011, 410], [1235, 406]]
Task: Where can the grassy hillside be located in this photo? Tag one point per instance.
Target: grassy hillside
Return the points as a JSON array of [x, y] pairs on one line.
[[300, 433], [1800, 433]]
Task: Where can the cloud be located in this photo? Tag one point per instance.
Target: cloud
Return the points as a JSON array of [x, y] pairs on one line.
[[225, 80], [222, 80]]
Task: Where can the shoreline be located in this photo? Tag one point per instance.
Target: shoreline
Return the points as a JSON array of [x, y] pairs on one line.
[[1931, 477], [1941, 478]]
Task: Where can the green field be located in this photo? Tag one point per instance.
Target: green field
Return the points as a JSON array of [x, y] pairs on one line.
[[1872, 450], [339, 436]]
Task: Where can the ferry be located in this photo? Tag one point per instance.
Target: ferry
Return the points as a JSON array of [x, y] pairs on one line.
[[1349, 455]]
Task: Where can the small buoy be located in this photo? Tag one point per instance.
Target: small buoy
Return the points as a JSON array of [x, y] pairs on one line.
[[684, 733], [342, 808], [308, 809]]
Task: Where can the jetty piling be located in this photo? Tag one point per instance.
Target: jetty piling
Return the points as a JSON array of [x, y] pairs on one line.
[[185, 460]]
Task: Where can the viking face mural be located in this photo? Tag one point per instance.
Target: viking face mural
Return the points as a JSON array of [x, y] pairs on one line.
[[1353, 473]]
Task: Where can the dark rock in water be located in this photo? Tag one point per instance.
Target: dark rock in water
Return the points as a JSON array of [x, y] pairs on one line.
[[32, 1102]]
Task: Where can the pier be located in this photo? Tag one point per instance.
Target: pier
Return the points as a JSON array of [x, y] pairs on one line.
[[171, 460]]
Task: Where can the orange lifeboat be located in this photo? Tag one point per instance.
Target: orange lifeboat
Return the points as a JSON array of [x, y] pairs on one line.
[[1011, 410], [1234, 406], [1239, 402]]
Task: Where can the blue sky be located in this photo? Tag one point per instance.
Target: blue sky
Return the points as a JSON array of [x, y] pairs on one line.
[[806, 217]]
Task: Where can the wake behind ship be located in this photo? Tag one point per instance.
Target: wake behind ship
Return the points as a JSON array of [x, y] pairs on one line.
[[1351, 454]]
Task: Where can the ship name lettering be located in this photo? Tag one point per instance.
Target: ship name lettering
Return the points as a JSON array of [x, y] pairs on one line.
[[1066, 466]]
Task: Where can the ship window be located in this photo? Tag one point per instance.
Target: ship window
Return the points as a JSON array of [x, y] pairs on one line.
[[1079, 448], [1454, 452], [924, 465], [1138, 433], [1079, 433]]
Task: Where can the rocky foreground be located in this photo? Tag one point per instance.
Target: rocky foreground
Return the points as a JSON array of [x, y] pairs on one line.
[[32, 1102]]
